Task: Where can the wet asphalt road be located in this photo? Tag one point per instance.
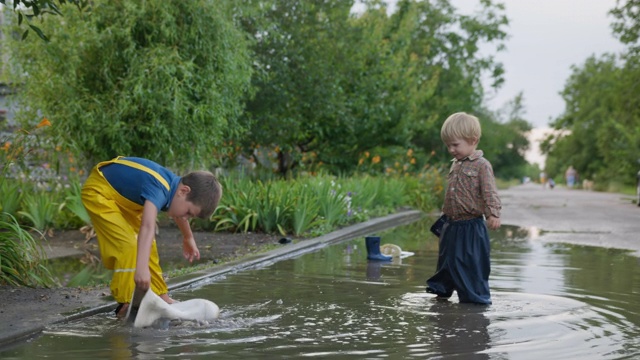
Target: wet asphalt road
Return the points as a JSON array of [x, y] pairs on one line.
[[574, 216]]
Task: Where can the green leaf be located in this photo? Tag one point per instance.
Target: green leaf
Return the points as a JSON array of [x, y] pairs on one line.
[[39, 32]]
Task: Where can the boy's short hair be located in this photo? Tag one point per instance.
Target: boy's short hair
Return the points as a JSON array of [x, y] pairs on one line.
[[461, 126], [206, 191]]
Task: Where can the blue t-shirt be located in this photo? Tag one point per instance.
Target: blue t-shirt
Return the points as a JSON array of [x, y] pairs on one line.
[[139, 185]]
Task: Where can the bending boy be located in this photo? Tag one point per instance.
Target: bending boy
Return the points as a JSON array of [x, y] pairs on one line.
[[123, 197]]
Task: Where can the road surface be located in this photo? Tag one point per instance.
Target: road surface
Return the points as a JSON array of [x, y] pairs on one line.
[[574, 216]]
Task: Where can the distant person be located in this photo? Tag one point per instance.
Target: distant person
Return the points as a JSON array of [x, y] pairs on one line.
[[470, 197], [551, 183], [123, 197], [543, 179], [638, 187], [571, 176]]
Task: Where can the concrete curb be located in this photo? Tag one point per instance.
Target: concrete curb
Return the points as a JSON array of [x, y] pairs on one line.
[[256, 261]]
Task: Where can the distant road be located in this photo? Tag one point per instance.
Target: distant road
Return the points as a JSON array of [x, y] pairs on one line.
[[574, 216]]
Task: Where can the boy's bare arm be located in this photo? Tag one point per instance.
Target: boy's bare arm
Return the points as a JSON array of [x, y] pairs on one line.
[[189, 247], [142, 276]]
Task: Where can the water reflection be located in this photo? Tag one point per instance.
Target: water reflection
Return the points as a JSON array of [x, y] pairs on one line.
[[549, 301], [461, 330]]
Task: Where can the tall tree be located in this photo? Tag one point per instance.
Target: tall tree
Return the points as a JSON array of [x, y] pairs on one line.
[[602, 121], [445, 48], [25, 10], [504, 139], [339, 83], [601, 124], [627, 23], [157, 79]]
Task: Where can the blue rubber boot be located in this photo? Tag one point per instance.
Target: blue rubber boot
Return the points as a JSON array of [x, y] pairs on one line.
[[373, 249]]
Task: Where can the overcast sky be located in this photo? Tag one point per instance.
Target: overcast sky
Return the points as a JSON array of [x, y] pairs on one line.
[[546, 38]]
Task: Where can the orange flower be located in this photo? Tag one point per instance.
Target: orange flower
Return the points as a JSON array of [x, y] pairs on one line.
[[6, 146], [360, 161], [410, 152], [376, 159], [366, 154], [413, 161], [43, 123]]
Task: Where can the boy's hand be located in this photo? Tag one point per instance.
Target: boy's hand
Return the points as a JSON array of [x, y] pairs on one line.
[[142, 278], [493, 223], [190, 249]]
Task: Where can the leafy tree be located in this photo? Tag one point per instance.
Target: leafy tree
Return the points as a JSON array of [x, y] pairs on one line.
[[339, 84], [504, 140], [601, 122], [626, 24], [163, 80], [298, 49], [602, 115], [445, 46], [27, 9]]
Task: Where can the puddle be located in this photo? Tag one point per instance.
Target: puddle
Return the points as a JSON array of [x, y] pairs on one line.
[[551, 301]]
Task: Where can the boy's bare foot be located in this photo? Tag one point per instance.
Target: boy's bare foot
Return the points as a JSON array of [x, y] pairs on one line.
[[167, 299], [438, 297], [121, 310]]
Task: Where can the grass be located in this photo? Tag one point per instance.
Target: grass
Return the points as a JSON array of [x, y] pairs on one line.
[[22, 258]]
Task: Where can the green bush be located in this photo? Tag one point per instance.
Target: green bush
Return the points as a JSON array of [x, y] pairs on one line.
[[22, 259], [10, 196], [312, 205], [40, 209], [157, 79]]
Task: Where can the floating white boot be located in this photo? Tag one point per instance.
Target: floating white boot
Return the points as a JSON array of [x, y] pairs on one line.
[[153, 308]]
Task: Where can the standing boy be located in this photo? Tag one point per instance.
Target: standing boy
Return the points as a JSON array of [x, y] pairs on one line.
[[123, 197], [471, 196]]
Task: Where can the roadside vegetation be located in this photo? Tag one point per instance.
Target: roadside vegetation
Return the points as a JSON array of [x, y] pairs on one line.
[[314, 114], [600, 129]]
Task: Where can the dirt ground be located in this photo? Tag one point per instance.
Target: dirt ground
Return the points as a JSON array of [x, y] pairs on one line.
[[22, 305]]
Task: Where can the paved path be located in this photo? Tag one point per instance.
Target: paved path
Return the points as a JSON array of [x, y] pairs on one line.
[[574, 216]]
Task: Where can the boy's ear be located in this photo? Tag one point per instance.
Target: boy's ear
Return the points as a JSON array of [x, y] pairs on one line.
[[184, 189]]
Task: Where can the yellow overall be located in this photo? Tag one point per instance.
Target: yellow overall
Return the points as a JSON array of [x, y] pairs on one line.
[[116, 221]]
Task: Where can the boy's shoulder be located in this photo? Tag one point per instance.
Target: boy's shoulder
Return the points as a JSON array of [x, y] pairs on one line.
[[478, 161], [146, 162], [476, 155]]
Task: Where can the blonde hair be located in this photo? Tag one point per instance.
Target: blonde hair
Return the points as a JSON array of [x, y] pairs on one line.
[[461, 126]]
